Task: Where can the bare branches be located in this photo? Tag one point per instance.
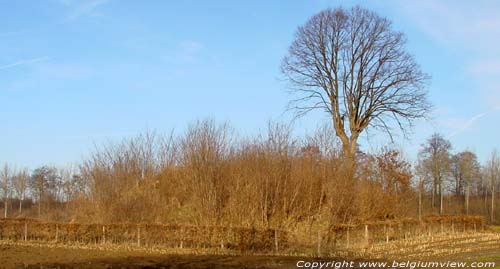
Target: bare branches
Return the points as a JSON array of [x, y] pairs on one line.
[[351, 64], [434, 164]]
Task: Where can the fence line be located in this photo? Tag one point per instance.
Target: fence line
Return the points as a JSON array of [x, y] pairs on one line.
[[345, 238], [333, 239], [172, 236]]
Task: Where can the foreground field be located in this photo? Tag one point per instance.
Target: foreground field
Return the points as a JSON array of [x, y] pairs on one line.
[[42, 256], [478, 247]]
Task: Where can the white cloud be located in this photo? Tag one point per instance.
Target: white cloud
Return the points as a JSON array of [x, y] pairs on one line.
[[79, 8], [486, 74], [470, 25], [191, 46], [186, 52], [65, 71], [13, 33], [190, 50], [485, 67], [469, 29], [23, 62], [53, 74]]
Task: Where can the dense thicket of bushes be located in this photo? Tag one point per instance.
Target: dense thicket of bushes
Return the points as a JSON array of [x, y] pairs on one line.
[[210, 176]]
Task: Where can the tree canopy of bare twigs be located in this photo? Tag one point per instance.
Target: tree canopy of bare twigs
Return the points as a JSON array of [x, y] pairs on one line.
[[434, 165], [352, 64], [492, 175]]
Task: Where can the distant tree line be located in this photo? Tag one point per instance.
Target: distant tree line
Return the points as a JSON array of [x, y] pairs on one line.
[[457, 182]]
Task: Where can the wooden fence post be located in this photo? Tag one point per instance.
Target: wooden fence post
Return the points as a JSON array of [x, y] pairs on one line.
[[319, 243], [138, 236], [104, 234], [386, 234], [276, 247], [184, 231], [222, 238], [367, 235], [347, 236], [25, 231]]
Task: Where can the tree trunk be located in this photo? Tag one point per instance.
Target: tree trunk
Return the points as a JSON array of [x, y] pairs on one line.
[[492, 203], [349, 147], [441, 205], [5, 205], [440, 199], [420, 204], [39, 207], [467, 200], [485, 195], [433, 198]]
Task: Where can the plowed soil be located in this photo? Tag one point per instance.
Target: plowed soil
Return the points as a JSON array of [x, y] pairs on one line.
[[16, 256]]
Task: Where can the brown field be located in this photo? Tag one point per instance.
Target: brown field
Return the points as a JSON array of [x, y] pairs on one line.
[[467, 247], [44, 256]]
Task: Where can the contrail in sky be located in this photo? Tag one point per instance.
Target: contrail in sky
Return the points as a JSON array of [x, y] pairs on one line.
[[471, 121]]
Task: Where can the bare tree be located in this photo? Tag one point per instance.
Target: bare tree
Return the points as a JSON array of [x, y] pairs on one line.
[[434, 162], [465, 170], [42, 183], [492, 173], [354, 66], [420, 188], [456, 172], [6, 186], [20, 184], [424, 182]]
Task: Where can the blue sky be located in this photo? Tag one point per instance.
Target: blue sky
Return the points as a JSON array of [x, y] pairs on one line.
[[78, 73]]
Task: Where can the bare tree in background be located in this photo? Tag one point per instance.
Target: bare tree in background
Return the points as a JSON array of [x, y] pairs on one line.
[[20, 184], [456, 172], [422, 179], [465, 170], [354, 66], [434, 162], [42, 185], [6, 186], [492, 173]]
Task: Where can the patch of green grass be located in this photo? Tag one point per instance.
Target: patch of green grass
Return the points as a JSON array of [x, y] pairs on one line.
[[495, 228]]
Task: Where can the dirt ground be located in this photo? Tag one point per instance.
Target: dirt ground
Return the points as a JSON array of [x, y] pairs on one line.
[[16, 256], [46, 256]]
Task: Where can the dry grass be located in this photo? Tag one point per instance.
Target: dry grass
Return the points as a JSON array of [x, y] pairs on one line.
[[472, 246], [425, 246]]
